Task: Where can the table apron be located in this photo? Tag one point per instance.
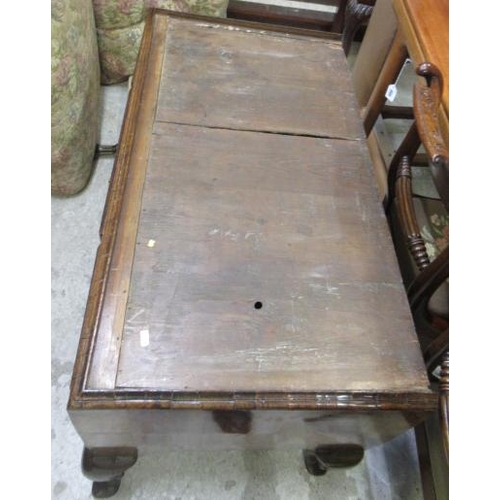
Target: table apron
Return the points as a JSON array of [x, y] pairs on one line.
[[236, 430]]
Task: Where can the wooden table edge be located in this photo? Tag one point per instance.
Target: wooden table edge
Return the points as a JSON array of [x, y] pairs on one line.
[[425, 401], [268, 27]]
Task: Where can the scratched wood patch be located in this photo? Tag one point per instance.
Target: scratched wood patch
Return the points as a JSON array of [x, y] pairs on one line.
[[264, 262], [240, 78]]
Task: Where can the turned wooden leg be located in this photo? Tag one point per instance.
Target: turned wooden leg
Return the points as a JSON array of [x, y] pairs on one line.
[[105, 467], [332, 456], [356, 13]]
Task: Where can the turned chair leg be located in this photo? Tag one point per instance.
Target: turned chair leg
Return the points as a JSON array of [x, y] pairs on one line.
[[317, 461], [105, 467]]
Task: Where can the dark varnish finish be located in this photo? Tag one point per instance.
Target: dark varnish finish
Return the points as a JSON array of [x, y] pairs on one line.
[[245, 293]]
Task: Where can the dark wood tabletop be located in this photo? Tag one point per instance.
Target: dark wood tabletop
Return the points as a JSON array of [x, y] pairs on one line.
[[246, 293], [245, 259], [252, 253]]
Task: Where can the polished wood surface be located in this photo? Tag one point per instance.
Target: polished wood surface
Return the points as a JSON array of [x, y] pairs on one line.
[[425, 24], [424, 29], [245, 265], [399, 29], [427, 101], [421, 31]]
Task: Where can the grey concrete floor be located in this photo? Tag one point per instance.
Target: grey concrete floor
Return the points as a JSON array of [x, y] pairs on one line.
[[389, 471]]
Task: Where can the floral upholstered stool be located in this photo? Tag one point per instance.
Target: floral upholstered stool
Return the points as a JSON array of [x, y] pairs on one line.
[[94, 42], [74, 95]]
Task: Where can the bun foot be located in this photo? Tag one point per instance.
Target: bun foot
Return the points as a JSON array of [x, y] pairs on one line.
[[321, 459], [105, 467], [105, 489], [312, 463]]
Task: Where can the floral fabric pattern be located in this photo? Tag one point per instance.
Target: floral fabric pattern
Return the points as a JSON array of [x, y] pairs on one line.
[[120, 24], [433, 222], [436, 238], [117, 63], [176, 5], [214, 8], [74, 94], [113, 14], [436, 234]]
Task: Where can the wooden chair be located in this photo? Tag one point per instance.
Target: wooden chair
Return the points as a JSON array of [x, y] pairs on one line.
[[344, 17], [424, 260], [420, 221]]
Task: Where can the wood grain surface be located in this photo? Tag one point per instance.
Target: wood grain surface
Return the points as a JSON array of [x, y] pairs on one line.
[[291, 222], [230, 77], [115, 252]]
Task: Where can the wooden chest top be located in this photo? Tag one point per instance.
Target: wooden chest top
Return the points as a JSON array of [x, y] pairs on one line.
[[244, 248]]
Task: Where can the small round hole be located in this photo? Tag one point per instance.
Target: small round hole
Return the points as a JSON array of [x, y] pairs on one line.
[[258, 305]]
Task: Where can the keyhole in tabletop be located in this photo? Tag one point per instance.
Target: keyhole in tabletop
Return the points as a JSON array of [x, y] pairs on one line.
[[258, 305]]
